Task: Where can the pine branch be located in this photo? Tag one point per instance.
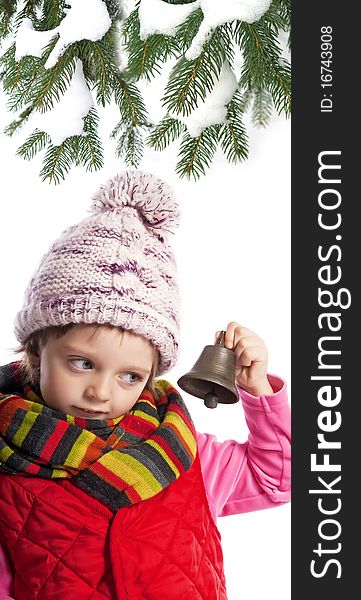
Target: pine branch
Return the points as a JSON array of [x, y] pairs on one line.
[[27, 81], [83, 150], [17, 123], [145, 57], [233, 136], [8, 67], [52, 83], [187, 31], [261, 108], [247, 99], [278, 15], [19, 81], [264, 68], [190, 80], [115, 9], [280, 89], [196, 154], [90, 149], [59, 159], [29, 10], [227, 33], [129, 101], [7, 12], [166, 132], [265, 80], [130, 146], [99, 62], [134, 119], [35, 142], [52, 14]]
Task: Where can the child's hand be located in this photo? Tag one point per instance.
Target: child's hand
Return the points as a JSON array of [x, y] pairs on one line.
[[251, 359]]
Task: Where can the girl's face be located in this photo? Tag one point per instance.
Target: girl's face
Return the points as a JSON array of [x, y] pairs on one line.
[[95, 372]]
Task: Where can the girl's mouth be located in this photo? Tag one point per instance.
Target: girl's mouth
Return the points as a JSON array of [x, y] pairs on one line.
[[89, 411]]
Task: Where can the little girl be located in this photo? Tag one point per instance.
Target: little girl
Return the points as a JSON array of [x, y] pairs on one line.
[[106, 489]]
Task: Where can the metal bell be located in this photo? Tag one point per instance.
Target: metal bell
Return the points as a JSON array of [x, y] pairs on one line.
[[212, 376]]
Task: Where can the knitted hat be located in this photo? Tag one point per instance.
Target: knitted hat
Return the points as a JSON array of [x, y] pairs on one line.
[[113, 267]]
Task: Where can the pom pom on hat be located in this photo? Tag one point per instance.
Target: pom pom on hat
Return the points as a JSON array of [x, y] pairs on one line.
[[151, 197]]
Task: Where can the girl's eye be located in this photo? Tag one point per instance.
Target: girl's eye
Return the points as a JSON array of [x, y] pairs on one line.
[[131, 378], [81, 363]]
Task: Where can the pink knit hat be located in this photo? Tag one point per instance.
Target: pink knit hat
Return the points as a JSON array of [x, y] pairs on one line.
[[113, 267]]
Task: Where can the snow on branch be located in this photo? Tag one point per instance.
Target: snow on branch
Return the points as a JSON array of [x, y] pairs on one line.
[[85, 20], [213, 109], [224, 11], [30, 42], [156, 16], [216, 13]]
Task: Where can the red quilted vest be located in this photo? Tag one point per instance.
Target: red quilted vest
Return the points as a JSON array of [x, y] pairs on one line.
[[64, 544]]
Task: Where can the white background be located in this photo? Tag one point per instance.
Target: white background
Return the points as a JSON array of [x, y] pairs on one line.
[[233, 254]]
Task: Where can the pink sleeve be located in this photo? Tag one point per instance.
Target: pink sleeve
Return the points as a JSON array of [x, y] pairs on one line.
[[242, 477], [5, 577]]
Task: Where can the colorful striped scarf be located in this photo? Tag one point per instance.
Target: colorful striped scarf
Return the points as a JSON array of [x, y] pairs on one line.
[[119, 462]]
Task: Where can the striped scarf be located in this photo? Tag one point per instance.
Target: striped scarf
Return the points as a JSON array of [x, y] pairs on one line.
[[118, 461]]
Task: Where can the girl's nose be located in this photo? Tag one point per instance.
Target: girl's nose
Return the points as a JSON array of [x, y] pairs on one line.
[[98, 390]]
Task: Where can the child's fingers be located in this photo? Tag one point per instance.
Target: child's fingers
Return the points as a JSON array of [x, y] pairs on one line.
[[248, 341], [234, 332], [250, 354], [230, 335], [238, 336]]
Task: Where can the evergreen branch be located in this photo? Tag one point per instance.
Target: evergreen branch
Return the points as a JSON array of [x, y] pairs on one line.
[[187, 30], [115, 9], [99, 61], [131, 27], [79, 150], [278, 15], [145, 57], [52, 83], [34, 143], [7, 12], [261, 108], [263, 66], [226, 33], [11, 69], [280, 89], [167, 131], [130, 146], [8, 67], [20, 87], [52, 14], [233, 136], [90, 149], [246, 101], [265, 80], [18, 122], [59, 159], [196, 154], [29, 10], [129, 101], [28, 81], [285, 12], [190, 80]]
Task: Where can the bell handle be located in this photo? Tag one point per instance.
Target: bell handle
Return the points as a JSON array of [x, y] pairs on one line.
[[221, 339]]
